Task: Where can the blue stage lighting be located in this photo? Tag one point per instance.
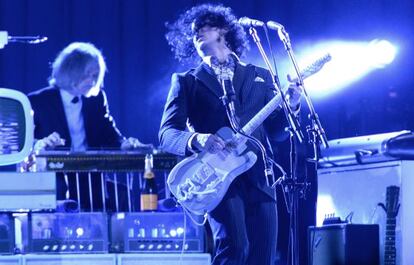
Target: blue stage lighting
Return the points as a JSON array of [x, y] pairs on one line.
[[350, 62]]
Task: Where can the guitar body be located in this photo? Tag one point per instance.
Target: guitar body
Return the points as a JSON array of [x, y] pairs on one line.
[[200, 181]]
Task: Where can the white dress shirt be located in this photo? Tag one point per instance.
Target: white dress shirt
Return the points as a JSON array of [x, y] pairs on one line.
[[75, 121]]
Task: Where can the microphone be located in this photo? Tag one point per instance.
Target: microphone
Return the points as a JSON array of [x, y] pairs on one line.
[[228, 90], [249, 22], [283, 35], [274, 25]]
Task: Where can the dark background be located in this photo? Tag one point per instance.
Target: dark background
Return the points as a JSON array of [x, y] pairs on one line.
[[130, 34]]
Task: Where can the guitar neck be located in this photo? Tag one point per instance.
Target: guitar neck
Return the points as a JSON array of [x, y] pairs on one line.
[[277, 100], [390, 250], [262, 115]]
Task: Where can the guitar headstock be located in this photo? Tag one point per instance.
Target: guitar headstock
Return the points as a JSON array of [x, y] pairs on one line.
[[391, 204], [313, 68]]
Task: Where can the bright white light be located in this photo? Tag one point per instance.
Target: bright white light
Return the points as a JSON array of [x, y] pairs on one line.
[[350, 62], [325, 207], [381, 53]]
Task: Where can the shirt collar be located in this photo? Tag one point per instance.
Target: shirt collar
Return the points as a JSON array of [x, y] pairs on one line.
[[67, 97], [233, 56]]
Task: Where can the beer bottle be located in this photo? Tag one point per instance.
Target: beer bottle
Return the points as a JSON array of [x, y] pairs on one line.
[[149, 191]]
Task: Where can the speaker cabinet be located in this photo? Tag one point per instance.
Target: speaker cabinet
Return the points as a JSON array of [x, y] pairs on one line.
[[344, 244], [164, 259]]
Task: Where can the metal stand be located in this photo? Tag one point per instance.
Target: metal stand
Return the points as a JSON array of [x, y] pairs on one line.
[[228, 102], [293, 122], [292, 188], [290, 185], [313, 116], [316, 135]]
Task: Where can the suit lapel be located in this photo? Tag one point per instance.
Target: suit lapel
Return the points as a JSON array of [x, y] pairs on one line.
[[209, 80], [242, 81], [239, 76]]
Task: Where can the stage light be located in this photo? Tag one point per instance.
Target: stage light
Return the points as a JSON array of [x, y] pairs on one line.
[[351, 61], [325, 208], [381, 53]]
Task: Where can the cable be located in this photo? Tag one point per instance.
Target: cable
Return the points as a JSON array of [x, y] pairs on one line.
[[184, 239], [348, 218], [231, 116], [236, 128]]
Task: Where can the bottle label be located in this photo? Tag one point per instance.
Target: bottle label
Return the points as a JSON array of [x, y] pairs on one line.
[[149, 202], [149, 175]]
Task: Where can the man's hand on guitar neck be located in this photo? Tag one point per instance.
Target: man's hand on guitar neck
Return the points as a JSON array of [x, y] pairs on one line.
[[294, 94], [207, 142]]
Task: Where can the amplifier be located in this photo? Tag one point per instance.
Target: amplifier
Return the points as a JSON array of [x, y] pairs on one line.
[[6, 234], [65, 233], [155, 232], [344, 244]]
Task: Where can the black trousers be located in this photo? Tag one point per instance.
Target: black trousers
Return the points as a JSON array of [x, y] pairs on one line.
[[244, 226]]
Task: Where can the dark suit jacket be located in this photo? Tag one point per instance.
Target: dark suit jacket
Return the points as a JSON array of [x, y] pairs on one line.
[[194, 100], [49, 116]]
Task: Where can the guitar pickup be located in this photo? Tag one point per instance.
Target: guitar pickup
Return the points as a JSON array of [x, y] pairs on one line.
[[203, 174]]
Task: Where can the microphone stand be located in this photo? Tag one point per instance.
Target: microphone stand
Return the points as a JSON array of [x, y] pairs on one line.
[[290, 184], [228, 102], [5, 38], [313, 116], [316, 135], [293, 122]]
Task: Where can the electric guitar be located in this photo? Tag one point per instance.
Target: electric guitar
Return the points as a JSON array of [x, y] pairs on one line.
[[391, 208], [199, 182]]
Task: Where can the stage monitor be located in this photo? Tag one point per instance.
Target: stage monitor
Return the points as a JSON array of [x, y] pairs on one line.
[[16, 126]]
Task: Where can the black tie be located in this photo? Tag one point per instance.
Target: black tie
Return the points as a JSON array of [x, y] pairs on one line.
[[75, 100]]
